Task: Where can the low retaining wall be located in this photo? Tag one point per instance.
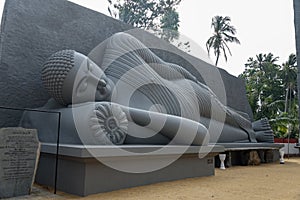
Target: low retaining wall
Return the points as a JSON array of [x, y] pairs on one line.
[[81, 170]]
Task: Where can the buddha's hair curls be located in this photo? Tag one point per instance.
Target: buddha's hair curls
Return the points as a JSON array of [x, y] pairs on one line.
[[55, 71]]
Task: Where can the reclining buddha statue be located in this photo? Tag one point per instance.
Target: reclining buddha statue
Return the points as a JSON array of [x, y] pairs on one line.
[[133, 97]]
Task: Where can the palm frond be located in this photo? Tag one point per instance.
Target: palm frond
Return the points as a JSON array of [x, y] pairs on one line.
[[223, 33]]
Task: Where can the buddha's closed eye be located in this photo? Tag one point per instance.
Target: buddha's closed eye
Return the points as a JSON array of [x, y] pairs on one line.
[[82, 86]]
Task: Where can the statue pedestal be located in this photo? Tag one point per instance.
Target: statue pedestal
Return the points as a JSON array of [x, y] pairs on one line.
[[81, 173]]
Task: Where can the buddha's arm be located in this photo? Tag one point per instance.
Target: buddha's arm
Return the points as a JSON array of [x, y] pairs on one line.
[[178, 129], [110, 121]]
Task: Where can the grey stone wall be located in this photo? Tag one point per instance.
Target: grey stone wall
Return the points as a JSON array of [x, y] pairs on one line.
[[32, 30]]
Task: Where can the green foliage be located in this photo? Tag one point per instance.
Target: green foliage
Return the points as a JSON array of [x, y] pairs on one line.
[[223, 33], [159, 15], [169, 25], [271, 91]]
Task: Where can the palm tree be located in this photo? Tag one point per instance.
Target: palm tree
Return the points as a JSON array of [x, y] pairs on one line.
[[289, 77], [223, 33], [263, 84]]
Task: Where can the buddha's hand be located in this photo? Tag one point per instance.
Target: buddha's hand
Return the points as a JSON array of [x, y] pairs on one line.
[[108, 123]]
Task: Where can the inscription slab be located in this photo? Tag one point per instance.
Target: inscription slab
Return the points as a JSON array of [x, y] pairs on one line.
[[19, 153]]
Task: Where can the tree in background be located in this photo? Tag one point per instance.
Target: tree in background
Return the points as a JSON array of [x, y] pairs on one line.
[[262, 83], [169, 24], [289, 78], [289, 81], [271, 91], [160, 16], [223, 33]]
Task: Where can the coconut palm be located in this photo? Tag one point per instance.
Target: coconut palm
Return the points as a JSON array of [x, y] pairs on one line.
[[289, 77], [263, 84], [223, 33]]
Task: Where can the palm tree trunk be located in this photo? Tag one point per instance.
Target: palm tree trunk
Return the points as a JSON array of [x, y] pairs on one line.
[[286, 99], [217, 60], [297, 33]]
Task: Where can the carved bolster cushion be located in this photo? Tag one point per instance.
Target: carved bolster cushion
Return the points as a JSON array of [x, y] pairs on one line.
[[108, 124]]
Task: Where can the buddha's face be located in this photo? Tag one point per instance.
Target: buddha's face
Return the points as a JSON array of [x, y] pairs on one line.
[[87, 81]]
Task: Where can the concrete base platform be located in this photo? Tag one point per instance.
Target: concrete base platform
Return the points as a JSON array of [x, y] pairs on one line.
[[81, 170], [238, 153]]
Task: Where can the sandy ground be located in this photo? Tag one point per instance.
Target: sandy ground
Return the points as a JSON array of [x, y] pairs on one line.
[[263, 182]]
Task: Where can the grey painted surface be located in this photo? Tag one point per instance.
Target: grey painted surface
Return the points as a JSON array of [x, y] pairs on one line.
[[19, 151], [297, 35], [32, 30], [84, 151], [81, 174], [245, 146]]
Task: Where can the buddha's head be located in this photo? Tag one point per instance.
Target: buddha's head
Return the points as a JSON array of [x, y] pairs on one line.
[[71, 77]]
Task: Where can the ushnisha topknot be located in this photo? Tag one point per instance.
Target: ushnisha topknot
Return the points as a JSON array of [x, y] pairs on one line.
[[55, 71]]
